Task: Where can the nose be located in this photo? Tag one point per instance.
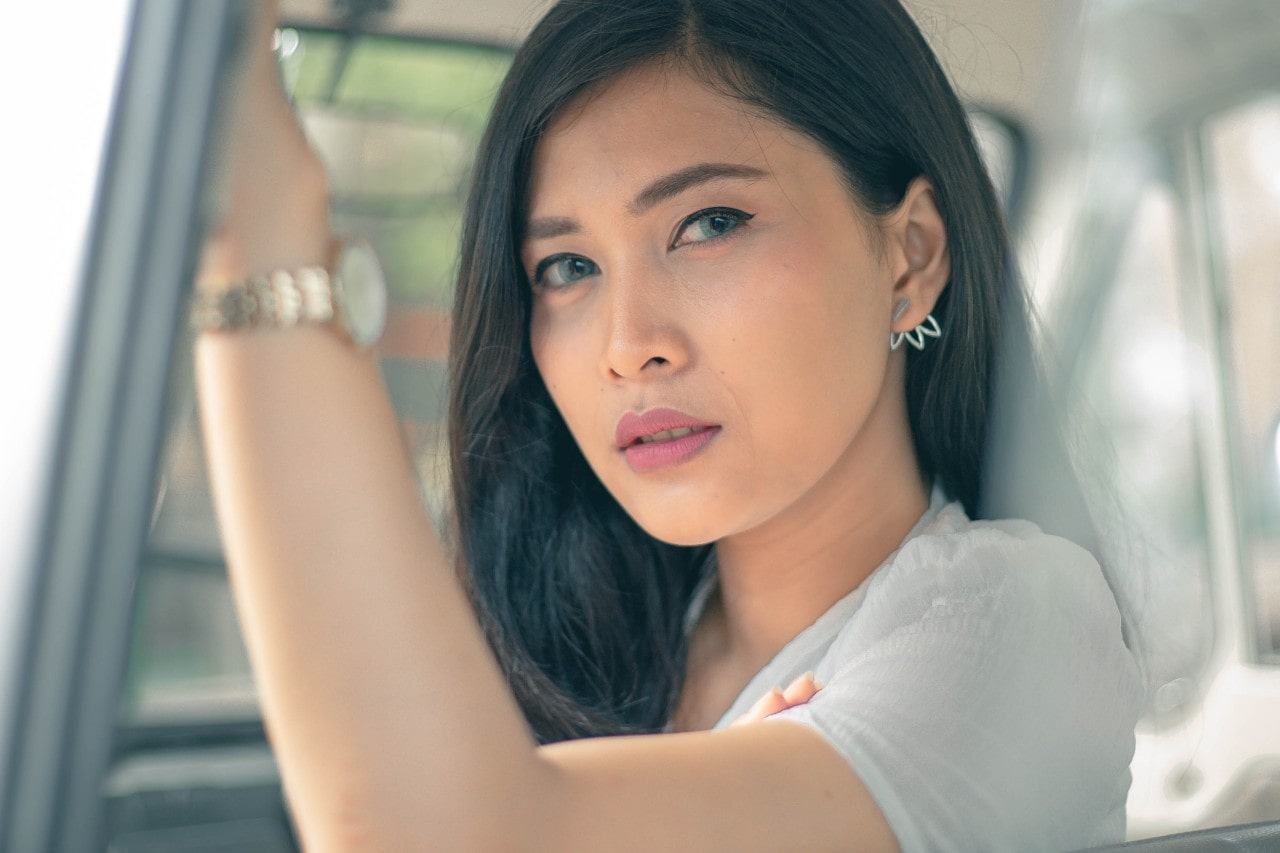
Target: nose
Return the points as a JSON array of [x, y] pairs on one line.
[[645, 337]]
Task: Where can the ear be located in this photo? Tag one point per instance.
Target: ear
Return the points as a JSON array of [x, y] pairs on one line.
[[918, 254]]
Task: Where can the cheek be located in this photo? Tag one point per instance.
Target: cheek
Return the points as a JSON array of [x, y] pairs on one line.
[[805, 314], [808, 357], [559, 353], [556, 346], [539, 344]]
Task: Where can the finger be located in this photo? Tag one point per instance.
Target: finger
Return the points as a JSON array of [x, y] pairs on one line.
[[770, 703], [801, 690]]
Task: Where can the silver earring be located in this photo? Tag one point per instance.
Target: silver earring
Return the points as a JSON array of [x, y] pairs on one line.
[[915, 337]]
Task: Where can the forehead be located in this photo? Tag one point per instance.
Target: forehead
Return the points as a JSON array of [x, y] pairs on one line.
[[646, 93], [652, 121]]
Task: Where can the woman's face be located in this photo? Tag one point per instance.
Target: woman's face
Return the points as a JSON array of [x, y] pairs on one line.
[[710, 312]]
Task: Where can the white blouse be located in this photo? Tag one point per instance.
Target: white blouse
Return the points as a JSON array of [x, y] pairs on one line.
[[978, 684]]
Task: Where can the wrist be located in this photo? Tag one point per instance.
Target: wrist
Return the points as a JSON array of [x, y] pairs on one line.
[[294, 233], [348, 292]]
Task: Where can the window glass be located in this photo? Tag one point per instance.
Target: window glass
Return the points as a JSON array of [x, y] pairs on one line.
[[396, 123], [1143, 381], [1244, 146]]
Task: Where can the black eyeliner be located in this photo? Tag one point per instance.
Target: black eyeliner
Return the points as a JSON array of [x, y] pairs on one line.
[[729, 212], [540, 270]]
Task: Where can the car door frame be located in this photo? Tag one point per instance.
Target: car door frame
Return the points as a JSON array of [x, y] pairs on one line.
[[143, 245]]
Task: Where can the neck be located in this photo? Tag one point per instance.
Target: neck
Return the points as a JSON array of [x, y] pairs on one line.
[[776, 579]]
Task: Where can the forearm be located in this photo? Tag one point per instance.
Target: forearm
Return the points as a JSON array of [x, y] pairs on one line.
[[385, 708], [383, 702]]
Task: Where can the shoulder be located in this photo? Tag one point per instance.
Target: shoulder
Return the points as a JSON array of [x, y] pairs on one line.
[[983, 690], [988, 575], [1023, 618]]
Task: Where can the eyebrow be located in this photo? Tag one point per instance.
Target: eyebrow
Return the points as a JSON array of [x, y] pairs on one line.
[[658, 191], [670, 186]]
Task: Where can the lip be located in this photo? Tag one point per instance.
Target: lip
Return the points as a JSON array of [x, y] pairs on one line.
[[660, 454]]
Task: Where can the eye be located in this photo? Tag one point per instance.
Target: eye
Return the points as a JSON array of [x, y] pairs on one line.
[[562, 271], [710, 224]]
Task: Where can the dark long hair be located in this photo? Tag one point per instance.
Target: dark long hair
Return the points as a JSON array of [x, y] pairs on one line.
[[583, 608]]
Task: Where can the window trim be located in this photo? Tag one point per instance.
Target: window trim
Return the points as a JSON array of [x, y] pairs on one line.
[[140, 260]]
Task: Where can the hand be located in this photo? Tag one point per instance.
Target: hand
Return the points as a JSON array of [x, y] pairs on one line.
[[798, 692], [276, 214]]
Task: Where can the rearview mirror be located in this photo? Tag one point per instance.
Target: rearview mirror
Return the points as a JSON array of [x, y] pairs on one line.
[[387, 164]]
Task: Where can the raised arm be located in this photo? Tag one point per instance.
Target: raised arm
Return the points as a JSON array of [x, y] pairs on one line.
[[392, 724]]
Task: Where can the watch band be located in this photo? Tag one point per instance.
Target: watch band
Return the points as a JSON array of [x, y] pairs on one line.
[[349, 297], [279, 299]]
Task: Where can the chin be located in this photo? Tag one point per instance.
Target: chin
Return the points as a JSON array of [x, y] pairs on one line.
[[676, 528]]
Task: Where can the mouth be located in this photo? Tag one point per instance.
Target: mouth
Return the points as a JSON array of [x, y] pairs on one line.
[[656, 426], [661, 438], [668, 435]]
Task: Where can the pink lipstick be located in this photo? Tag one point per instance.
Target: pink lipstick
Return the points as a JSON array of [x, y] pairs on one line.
[[661, 437]]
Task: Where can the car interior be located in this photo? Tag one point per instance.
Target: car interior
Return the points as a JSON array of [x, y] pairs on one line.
[[1133, 143]]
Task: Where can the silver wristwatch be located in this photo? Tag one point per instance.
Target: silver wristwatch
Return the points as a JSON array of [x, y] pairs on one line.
[[352, 298]]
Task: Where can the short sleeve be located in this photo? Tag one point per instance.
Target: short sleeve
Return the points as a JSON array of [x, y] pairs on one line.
[[984, 694]]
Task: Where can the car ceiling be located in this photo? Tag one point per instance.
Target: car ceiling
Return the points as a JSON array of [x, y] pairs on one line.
[[1044, 63], [983, 43]]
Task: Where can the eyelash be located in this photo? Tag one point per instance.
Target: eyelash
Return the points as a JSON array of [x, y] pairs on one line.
[[738, 217], [540, 270]]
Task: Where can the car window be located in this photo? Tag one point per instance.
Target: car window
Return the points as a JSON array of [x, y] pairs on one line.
[[153, 75], [1241, 147], [396, 122], [1144, 382], [1192, 413]]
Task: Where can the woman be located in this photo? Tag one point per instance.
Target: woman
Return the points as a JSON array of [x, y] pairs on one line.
[[692, 462]]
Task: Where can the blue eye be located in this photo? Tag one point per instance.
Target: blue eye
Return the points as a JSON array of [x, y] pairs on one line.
[[563, 270], [710, 224]]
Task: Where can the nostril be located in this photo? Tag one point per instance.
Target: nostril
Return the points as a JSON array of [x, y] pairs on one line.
[[657, 359]]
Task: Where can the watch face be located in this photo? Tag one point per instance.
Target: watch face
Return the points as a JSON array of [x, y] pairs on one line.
[[363, 293]]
